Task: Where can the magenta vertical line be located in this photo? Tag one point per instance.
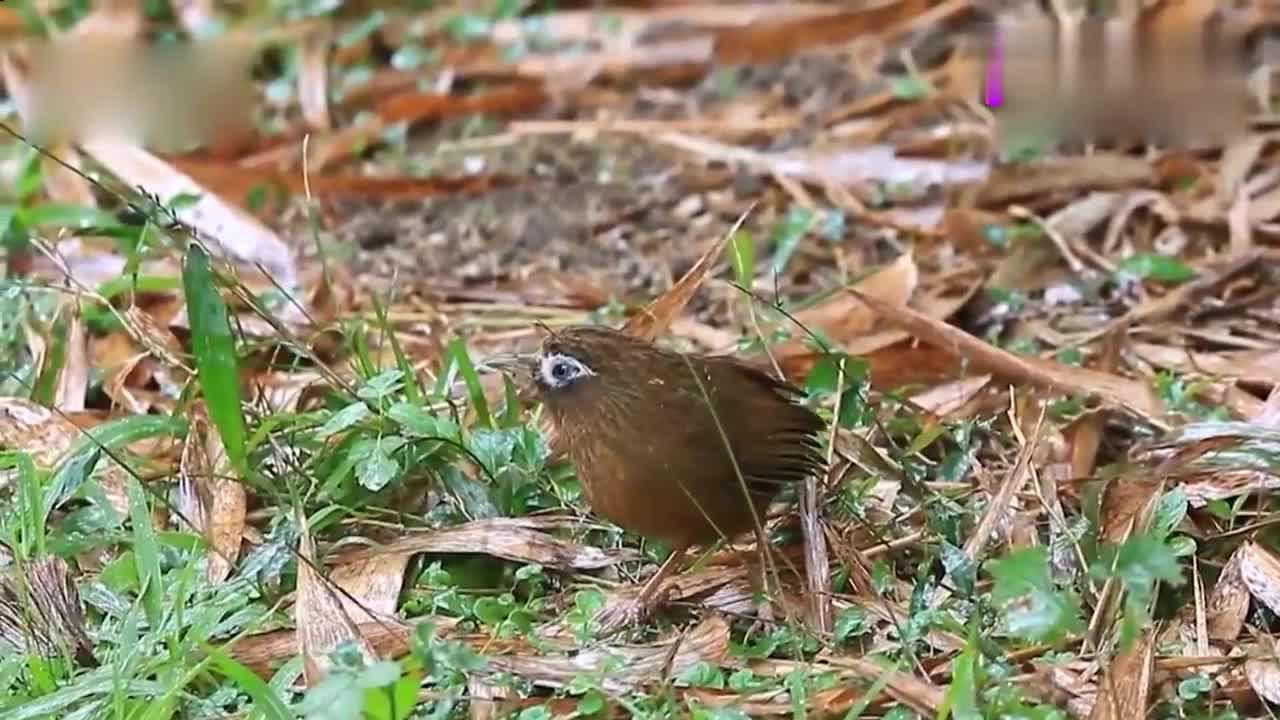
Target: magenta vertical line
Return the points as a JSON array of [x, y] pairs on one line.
[[992, 92]]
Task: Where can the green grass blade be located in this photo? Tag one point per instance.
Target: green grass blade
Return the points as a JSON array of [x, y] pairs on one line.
[[146, 552], [458, 354], [215, 351], [266, 701]]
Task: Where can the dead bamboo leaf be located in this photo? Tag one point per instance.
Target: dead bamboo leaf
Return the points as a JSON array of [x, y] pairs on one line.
[[920, 695], [653, 319], [517, 539], [73, 376], [1260, 573], [1130, 394], [209, 496], [707, 642], [1228, 602], [1008, 183], [313, 77], [843, 317], [1251, 366], [322, 621], [1126, 684], [375, 583]]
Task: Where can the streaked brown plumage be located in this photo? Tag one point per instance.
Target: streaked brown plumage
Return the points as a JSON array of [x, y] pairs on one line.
[[682, 448]]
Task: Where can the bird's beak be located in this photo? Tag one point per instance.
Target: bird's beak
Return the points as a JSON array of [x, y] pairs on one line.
[[514, 363]]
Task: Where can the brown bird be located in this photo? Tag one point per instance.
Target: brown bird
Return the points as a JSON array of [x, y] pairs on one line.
[[686, 449]]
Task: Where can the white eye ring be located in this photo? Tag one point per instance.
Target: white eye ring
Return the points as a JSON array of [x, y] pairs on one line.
[[558, 370]]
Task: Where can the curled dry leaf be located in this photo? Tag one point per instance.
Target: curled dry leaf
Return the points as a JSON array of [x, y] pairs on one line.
[[375, 583], [322, 621], [209, 497], [35, 430], [47, 436], [313, 77], [40, 611], [517, 539], [1263, 673], [1228, 602], [843, 316], [1260, 573], [1219, 460], [708, 642]]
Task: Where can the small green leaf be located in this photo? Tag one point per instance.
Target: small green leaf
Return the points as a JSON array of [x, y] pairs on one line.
[[909, 87], [343, 419], [376, 468], [851, 622], [787, 235], [1034, 608], [824, 378], [414, 420], [1158, 268]]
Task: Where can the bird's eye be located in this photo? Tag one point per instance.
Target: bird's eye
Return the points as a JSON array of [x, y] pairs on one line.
[[560, 370]]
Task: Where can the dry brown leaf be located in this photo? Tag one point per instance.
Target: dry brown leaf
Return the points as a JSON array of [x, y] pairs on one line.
[[36, 430], [1260, 573], [375, 583], [209, 497], [322, 621], [1125, 688], [707, 642], [920, 695], [652, 320], [627, 26], [1228, 602], [73, 376], [942, 400], [1094, 172], [261, 653], [893, 360], [1126, 506], [517, 539], [1251, 366], [313, 77], [1130, 394], [843, 317], [63, 185], [1263, 672]]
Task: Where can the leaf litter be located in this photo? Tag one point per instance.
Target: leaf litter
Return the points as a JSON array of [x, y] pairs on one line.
[[1051, 381]]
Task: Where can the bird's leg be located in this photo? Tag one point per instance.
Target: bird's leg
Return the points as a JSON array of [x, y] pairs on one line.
[[760, 582], [615, 618]]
